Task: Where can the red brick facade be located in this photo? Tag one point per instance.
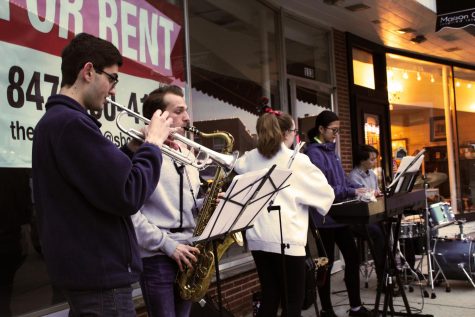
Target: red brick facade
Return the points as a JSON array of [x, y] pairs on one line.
[[236, 293], [343, 98]]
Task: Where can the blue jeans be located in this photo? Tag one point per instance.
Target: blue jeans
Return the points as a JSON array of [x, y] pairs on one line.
[[112, 302], [159, 289]]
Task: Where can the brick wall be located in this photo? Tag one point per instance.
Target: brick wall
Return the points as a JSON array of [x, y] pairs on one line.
[[236, 294], [343, 98]]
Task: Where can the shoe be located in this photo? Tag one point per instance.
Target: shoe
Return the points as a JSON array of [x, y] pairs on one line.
[[362, 312], [327, 313]]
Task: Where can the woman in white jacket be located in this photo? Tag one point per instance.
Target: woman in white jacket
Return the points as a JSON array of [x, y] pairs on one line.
[[308, 187]]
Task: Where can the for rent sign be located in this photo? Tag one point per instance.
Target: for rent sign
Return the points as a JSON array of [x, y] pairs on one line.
[[32, 35]]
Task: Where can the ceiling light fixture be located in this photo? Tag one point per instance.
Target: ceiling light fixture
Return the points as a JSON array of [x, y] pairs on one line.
[[406, 30], [418, 39], [357, 7], [432, 80], [418, 76]]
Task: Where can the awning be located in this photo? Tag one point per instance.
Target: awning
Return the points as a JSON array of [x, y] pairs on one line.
[[241, 93]]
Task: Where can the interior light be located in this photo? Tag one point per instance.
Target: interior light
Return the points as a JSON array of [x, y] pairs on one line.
[[390, 74], [418, 76], [457, 84], [432, 80], [469, 85], [405, 75]]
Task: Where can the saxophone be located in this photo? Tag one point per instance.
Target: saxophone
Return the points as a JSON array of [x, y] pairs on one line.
[[194, 282]]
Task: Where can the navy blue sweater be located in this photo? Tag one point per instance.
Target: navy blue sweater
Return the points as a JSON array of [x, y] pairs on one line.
[[85, 190], [323, 155]]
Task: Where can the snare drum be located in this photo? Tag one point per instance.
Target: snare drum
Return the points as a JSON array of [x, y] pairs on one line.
[[452, 255], [441, 215], [410, 230]]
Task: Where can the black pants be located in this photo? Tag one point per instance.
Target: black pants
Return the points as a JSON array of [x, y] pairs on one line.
[[345, 240], [374, 232], [271, 277]]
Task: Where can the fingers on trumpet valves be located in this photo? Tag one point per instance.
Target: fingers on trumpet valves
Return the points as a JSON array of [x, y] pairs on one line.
[[159, 128]]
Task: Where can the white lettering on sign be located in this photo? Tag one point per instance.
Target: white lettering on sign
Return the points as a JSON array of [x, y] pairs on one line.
[[68, 9], [47, 24], [148, 37], [108, 22], [167, 25], [128, 30]]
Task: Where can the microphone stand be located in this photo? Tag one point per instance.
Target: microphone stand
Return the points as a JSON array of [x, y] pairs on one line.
[[270, 208]]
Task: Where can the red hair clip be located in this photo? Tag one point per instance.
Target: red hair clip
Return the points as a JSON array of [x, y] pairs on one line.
[[272, 111]]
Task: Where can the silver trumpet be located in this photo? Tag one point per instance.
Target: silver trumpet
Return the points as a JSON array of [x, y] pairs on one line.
[[204, 156]]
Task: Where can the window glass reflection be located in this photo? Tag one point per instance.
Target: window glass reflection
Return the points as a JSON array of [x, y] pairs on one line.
[[233, 66], [465, 106], [419, 100]]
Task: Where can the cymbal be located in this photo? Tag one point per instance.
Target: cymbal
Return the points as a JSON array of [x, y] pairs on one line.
[[434, 179]]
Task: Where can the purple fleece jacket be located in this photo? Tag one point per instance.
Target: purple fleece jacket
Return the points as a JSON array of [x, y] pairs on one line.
[[323, 155], [85, 190]]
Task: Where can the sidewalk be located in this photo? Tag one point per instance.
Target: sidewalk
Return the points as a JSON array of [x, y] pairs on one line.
[[458, 303]]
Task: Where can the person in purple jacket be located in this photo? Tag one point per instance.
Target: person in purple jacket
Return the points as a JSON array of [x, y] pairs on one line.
[[86, 189], [321, 152]]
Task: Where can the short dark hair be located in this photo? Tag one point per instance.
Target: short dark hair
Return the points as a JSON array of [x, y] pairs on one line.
[[154, 100], [270, 129], [85, 48], [323, 119], [364, 151]]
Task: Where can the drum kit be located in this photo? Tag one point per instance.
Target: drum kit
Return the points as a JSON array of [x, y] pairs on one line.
[[451, 257]]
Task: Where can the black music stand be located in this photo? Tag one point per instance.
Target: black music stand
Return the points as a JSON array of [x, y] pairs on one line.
[[247, 195], [403, 183]]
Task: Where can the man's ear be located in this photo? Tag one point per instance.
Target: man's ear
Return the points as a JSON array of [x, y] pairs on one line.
[[87, 71]]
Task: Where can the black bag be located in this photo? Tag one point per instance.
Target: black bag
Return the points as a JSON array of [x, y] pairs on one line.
[[310, 283], [210, 309]]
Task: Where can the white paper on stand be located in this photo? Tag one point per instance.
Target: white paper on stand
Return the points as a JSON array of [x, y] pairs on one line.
[[240, 206]]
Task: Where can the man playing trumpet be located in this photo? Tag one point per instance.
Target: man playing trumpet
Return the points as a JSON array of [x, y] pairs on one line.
[[166, 221], [85, 188]]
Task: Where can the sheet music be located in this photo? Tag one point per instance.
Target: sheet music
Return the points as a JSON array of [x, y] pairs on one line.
[[238, 208], [406, 162]]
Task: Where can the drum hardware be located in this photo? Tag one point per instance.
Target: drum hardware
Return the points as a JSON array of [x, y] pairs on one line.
[[455, 259], [441, 215], [461, 235], [414, 272]]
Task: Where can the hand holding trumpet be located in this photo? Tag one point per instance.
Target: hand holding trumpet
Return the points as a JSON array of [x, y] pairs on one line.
[[159, 128]]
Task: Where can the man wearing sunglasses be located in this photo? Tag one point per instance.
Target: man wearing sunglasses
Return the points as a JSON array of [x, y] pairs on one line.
[[86, 189]]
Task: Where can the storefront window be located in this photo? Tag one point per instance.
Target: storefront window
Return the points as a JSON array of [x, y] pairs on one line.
[[233, 66], [465, 106], [363, 69], [420, 104], [307, 51], [308, 71]]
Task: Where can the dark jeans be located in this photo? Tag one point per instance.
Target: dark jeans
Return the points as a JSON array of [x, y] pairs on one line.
[[269, 269], [115, 302], [345, 240], [159, 289]]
